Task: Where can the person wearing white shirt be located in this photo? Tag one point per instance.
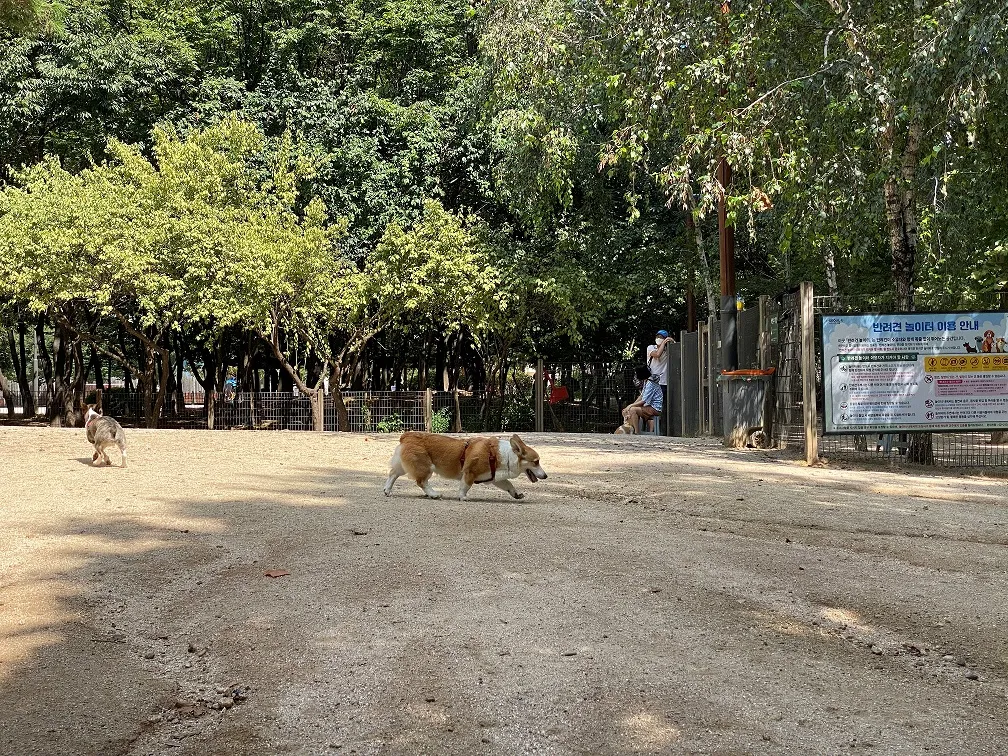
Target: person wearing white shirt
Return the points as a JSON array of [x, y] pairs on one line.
[[657, 359]]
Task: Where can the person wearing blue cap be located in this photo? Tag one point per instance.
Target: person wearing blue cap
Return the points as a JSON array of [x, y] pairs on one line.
[[657, 359]]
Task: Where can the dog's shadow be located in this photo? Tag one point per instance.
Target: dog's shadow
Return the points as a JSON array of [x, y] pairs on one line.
[[87, 461]]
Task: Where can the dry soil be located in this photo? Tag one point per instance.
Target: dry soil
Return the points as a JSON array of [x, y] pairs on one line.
[[652, 595]]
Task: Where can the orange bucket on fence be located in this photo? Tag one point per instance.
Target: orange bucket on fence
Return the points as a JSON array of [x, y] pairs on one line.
[[743, 373]]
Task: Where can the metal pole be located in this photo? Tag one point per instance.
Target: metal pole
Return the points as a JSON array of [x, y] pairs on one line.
[[428, 410]]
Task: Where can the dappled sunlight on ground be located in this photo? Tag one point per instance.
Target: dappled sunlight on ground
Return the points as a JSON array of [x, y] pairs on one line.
[[646, 731], [649, 596]]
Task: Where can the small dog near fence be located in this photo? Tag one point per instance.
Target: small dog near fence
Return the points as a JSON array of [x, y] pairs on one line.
[[103, 432], [476, 460]]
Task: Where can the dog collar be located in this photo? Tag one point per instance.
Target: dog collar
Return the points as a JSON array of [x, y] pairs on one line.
[[88, 423]]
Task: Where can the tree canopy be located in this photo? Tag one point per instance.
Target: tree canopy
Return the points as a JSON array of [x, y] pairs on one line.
[[354, 190]]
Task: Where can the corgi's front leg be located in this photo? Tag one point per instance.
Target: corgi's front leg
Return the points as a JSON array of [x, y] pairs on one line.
[[506, 485]]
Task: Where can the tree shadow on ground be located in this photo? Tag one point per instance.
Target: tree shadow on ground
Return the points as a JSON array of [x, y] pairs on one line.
[[575, 618]]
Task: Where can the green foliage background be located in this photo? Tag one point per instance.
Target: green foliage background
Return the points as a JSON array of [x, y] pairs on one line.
[[358, 190]]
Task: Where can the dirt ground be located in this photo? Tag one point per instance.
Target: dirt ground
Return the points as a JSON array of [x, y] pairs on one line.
[[651, 596]]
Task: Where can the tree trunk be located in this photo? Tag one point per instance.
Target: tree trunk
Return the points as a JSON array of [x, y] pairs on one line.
[[901, 217], [422, 369], [999, 437], [8, 395], [206, 382], [45, 358], [20, 360], [457, 422], [441, 364], [308, 391], [901, 214], [180, 403], [96, 363], [60, 408], [831, 278], [162, 387], [713, 305]]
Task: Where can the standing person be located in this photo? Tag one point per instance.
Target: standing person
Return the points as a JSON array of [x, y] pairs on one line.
[[657, 360], [649, 404]]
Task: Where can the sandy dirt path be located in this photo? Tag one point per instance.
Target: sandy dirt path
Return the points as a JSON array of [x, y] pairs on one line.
[[651, 596]]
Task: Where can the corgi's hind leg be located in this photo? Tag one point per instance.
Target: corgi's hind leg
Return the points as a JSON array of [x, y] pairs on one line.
[[395, 470], [393, 476], [425, 484], [394, 473]]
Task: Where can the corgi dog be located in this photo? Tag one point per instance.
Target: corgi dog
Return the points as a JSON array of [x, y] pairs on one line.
[[625, 430], [469, 461], [103, 432]]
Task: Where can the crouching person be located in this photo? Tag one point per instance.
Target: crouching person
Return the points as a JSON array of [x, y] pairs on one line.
[[649, 404]]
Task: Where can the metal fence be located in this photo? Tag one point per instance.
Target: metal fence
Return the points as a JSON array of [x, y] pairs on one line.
[[965, 449], [587, 397], [18, 400], [378, 411]]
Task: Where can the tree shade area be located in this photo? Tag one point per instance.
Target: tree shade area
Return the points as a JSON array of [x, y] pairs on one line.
[[317, 191]]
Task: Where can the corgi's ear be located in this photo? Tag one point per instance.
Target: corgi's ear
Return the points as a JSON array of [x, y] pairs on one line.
[[516, 444]]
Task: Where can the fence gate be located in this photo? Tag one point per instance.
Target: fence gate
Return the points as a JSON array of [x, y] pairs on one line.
[[691, 402]]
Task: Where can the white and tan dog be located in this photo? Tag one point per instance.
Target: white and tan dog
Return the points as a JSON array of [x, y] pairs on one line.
[[104, 432], [476, 460]]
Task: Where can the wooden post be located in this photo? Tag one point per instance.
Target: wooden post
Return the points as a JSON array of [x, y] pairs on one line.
[[428, 410], [539, 384], [763, 345], [808, 369]]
